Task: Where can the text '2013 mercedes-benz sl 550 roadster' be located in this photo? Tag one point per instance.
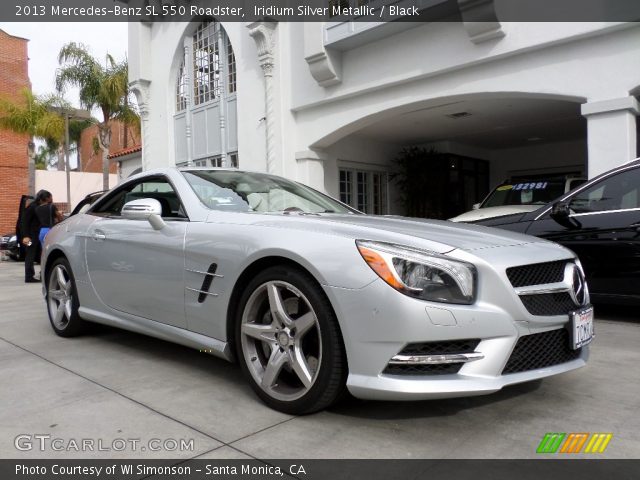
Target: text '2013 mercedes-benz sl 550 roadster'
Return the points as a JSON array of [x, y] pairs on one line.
[[312, 297]]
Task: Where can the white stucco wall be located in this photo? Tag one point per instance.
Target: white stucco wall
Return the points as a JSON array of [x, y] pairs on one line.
[[421, 66], [82, 183]]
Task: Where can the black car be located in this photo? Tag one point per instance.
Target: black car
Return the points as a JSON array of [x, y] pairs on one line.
[[9, 245], [87, 201], [600, 222]]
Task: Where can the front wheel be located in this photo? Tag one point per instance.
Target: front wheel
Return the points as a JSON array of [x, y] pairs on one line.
[[62, 299], [289, 342]]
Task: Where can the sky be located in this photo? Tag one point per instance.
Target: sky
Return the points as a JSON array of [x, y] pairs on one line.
[[46, 39]]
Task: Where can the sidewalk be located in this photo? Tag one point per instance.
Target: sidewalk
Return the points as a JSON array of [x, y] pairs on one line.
[[113, 385]]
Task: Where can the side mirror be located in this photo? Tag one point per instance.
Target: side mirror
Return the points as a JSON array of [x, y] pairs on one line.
[[144, 209], [560, 210], [476, 206], [561, 213]]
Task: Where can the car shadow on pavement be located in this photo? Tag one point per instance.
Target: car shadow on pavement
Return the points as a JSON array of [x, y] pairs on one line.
[[208, 367], [160, 351], [397, 410]]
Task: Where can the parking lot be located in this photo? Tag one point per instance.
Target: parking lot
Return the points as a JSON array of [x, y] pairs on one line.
[[112, 384]]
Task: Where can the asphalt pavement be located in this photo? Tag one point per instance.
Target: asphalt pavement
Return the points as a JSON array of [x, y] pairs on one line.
[[138, 397]]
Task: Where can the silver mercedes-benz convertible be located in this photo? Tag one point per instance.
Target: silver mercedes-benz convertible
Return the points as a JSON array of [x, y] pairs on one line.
[[312, 297]]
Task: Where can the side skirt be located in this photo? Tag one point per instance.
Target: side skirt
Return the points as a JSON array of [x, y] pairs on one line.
[[162, 331]]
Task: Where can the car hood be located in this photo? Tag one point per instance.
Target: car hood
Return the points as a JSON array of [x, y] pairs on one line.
[[436, 235], [491, 212]]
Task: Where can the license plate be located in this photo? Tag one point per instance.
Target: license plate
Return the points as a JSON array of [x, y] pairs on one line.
[[581, 327]]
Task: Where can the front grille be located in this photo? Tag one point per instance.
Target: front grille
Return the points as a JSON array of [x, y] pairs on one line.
[[433, 348], [536, 274], [548, 303], [541, 350]]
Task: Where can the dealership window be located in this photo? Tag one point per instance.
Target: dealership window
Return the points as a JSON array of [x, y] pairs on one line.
[[365, 190], [231, 62], [181, 89], [205, 120], [215, 161]]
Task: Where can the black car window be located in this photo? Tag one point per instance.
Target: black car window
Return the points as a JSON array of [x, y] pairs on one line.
[[618, 192], [158, 188]]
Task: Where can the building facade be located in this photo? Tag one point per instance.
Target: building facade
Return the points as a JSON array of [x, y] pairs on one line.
[[14, 160], [123, 137], [333, 104]]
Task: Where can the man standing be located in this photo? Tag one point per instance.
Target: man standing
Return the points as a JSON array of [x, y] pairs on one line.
[[30, 230]]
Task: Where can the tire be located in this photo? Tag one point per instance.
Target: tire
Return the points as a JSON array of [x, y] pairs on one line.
[[62, 300], [294, 359]]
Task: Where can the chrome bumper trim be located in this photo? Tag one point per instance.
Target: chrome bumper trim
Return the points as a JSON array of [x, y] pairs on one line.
[[435, 359]]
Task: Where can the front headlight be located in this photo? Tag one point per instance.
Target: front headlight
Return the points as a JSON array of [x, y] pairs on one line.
[[420, 274]]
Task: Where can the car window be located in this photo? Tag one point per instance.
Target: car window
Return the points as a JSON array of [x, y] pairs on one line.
[[158, 188], [257, 192], [618, 192], [535, 192]]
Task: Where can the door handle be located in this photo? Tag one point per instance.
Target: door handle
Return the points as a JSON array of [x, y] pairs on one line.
[[98, 235]]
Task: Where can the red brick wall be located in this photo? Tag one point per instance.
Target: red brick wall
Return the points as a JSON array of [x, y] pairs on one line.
[[92, 162], [14, 163]]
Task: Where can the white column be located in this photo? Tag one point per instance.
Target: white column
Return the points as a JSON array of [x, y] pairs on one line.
[[611, 133], [140, 89], [311, 165], [263, 33], [187, 44]]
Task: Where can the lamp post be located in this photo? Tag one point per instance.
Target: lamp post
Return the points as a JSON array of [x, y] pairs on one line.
[[69, 114]]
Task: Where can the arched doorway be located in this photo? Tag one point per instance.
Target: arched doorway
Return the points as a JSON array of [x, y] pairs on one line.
[[205, 101], [468, 144]]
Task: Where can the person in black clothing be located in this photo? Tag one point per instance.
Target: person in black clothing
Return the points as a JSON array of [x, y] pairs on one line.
[[48, 215], [30, 231]]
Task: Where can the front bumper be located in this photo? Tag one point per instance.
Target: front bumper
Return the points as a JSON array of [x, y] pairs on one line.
[[378, 323]]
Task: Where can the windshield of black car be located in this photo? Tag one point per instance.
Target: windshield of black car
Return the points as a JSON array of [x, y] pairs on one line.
[[256, 192], [535, 192]]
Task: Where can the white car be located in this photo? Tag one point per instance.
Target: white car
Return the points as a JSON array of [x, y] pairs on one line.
[[519, 197]]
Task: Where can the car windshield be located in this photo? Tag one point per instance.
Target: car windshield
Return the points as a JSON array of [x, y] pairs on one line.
[[257, 192], [534, 192]]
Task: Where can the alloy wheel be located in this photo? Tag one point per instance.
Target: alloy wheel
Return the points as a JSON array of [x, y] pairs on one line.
[[60, 297], [281, 340]]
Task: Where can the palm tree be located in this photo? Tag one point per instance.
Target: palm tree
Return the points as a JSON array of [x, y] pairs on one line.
[[102, 87], [30, 115]]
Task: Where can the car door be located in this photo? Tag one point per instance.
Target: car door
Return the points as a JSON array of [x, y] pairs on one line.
[[603, 229], [132, 267]]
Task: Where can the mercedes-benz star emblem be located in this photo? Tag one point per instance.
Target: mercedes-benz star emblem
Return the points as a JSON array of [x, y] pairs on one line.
[[578, 286]]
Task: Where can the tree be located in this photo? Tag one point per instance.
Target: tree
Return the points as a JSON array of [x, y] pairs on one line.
[[30, 115], [102, 87], [422, 178]]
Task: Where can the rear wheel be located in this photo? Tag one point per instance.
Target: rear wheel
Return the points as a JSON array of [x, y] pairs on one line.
[[289, 343], [62, 299]]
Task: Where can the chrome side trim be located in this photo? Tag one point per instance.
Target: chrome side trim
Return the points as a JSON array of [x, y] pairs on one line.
[[204, 273], [436, 359], [600, 212], [201, 291]]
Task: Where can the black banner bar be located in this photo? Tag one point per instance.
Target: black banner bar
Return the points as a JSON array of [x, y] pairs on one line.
[[320, 10], [544, 469]]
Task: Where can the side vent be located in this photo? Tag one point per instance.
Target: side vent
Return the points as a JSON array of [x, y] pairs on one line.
[[206, 283]]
